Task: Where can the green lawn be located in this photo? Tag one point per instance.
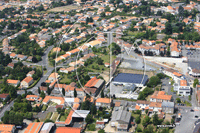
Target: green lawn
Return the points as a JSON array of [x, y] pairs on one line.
[[188, 104], [140, 125], [106, 58], [44, 107], [131, 33], [65, 79], [55, 116], [62, 118], [45, 72]]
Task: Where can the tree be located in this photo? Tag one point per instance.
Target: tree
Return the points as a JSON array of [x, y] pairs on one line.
[[102, 94], [178, 100], [75, 93], [196, 82], [42, 94], [89, 119], [101, 131], [93, 109], [116, 49], [168, 51], [39, 91], [146, 111], [149, 129], [160, 75], [5, 118], [155, 119], [102, 15], [91, 127], [181, 12], [63, 91], [187, 1], [138, 119], [153, 81], [146, 121], [34, 59], [59, 110], [168, 28], [48, 91]]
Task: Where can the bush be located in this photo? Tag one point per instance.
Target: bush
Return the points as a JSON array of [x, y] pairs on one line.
[[91, 127], [139, 129], [48, 120]]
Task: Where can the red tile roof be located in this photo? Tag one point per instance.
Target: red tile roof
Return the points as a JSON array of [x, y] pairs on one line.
[[68, 130], [92, 82]]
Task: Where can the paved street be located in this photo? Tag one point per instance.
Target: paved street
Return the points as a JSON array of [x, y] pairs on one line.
[[187, 121], [6, 108]]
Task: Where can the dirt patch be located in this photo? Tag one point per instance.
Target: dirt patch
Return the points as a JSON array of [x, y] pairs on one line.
[[124, 70], [63, 8], [168, 117]]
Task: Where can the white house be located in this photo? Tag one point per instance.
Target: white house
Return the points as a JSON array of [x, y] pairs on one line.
[[182, 87]]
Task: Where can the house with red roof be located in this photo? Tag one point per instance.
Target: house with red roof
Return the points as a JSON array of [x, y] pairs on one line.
[[159, 96], [26, 82], [13, 82], [4, 96], [94, 86], [103, 102], [33, 98]]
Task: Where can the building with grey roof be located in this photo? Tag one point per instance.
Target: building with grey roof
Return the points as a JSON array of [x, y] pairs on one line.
[[138, 80], [121, 120], [168, 107], [47, 127]]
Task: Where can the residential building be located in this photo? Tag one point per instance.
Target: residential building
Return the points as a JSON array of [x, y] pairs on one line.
[[103, 102], [53, 76], [4, 96], [182, 87], [26, 82], [142, 105], [7, 128], [94, 85], [30, 74], [168, 107], [13, 82], [58, 100], [33, 98], [155, 107], [159, 96], [195, 72]]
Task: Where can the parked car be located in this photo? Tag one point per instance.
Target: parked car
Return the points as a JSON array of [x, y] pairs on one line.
[[191, 110], [196, 116]]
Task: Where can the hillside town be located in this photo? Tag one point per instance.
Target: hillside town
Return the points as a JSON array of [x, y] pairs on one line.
[[99, 66]]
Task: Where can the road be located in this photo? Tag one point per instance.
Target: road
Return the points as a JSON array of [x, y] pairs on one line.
[[6, 108], [43, 63]]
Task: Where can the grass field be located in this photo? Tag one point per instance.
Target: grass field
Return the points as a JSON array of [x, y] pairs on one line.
[[55, 116], [62, 118], [48, 115], [63, 8], [65, 79]]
